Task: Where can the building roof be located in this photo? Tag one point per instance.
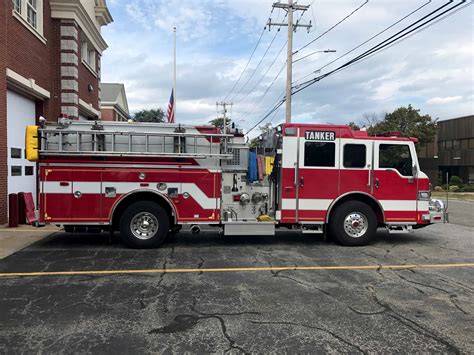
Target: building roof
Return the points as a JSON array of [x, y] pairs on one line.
[[113, 94]]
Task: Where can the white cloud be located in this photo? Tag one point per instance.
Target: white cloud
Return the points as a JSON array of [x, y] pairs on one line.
[[432, 70], [443, 100]]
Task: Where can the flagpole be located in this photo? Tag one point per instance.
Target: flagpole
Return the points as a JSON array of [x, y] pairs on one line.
[[174, 73]]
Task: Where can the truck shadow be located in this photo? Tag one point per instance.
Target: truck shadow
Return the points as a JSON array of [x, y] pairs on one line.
[[211, 238]]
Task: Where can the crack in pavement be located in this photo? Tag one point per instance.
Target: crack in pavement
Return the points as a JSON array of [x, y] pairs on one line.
[[411, 324], [183, 322], [334, 335], [277, 274]]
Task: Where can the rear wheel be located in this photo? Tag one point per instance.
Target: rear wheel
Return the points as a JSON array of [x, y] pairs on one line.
[[144, 224], [353, 223]]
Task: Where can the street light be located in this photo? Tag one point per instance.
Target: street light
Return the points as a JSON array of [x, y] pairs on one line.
[[310, 54]]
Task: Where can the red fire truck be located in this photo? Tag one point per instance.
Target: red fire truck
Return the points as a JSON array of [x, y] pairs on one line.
[[149, 180]]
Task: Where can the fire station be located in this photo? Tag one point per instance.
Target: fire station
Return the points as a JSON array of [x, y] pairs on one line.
[[50, 59]]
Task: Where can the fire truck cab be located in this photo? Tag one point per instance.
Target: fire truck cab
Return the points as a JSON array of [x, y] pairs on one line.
[[149, 180]]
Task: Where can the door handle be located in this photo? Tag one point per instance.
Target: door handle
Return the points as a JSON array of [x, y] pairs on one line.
[[296, 173], [370, 176], [63, 183], [301, 181], [376, 183]]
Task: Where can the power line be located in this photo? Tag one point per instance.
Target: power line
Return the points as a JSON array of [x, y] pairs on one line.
[[266, 91], [275, 107], [387, 42], [250, 59], [271, 65], [371, 38], [259, 63], [332, 27], [265, 74]]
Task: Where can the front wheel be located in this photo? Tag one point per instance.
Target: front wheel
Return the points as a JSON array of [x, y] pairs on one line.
[[144, 224], [353, 223]]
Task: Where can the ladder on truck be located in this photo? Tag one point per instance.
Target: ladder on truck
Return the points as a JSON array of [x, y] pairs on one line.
[[128, 140]]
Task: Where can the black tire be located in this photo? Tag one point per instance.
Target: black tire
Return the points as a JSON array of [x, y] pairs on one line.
[[353, 224], [151, 223]]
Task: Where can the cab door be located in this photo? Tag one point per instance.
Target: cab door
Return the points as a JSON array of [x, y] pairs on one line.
[[394, 184], [318, 173], [356, 166]]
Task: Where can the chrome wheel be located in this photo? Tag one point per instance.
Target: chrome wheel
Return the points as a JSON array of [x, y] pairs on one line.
[[356, 224], [144, 225]]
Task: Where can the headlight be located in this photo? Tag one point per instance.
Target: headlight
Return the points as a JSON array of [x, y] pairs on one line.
[[424, 195]]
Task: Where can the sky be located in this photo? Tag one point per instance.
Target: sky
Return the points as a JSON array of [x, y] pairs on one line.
[[433, 70]]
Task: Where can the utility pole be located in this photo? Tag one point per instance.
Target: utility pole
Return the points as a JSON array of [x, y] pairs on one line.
[[224, 113], [292, 27]]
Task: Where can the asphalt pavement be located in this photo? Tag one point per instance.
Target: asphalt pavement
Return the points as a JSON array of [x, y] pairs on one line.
[[210, 293]]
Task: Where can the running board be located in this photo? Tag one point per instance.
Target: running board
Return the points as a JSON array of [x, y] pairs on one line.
[[249, 228], [399, 228]]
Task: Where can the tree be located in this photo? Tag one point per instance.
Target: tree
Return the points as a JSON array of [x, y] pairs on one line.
[[408, 122], [152, 115], [267, 127], [219, 122], [354, 126]]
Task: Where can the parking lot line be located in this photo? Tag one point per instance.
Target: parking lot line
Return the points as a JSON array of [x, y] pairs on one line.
[[234, 269]]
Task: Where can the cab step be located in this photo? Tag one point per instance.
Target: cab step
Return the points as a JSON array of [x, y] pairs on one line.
[[399, 228], [312, 228]]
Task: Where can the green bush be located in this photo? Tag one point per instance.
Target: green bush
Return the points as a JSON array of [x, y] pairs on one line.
[[454, 188], [468, 188], [455, 180], [438, 188]]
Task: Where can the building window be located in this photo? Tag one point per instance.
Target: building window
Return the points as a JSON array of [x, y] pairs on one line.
[[15, 153], [464, 143], [319, 154], [30, 13], [471, 142], [88, 55], [29, 170], [354, 156], [449, 144], [16, 170], [17, 6], [456, 144], [396, 156]]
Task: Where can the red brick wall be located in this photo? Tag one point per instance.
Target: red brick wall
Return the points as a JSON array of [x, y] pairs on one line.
[[4, 7], [108, 114], [27, 55]]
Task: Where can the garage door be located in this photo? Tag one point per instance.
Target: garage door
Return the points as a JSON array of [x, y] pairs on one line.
[[21, 173]]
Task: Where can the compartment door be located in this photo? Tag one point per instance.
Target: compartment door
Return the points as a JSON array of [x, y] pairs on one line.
[[288, 180], [55, 194]]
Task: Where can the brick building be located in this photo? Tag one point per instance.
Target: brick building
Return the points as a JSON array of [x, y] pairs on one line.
[[114, 104], [50, 53]]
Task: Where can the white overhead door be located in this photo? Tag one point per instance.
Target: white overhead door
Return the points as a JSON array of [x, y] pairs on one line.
[[21, 112]]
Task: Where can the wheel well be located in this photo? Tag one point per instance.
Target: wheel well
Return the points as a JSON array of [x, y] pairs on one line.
[[368, 200], [142, 196]]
